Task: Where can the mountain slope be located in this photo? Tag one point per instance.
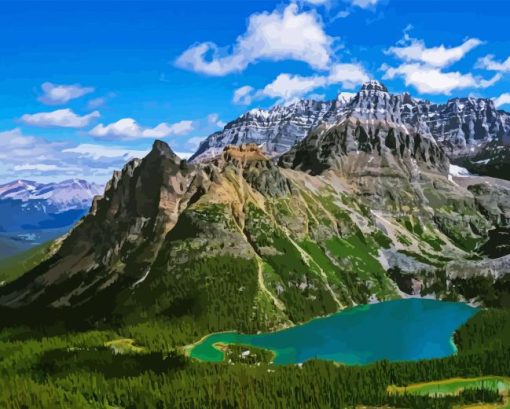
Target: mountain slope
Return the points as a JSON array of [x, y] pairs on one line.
[[175, 240]]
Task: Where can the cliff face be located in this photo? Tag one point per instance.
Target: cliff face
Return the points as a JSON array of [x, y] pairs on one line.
[[120, 236], [470, 130], [275, 130]]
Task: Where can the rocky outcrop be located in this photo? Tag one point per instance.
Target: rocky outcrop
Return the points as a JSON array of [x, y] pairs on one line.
[[373, 127], [121, 235]]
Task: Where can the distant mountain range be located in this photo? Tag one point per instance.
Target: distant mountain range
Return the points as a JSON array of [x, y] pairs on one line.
[[32, 212], [471, 130]]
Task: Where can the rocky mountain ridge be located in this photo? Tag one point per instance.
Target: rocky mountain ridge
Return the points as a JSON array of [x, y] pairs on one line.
[[280, 243], [465, 127]]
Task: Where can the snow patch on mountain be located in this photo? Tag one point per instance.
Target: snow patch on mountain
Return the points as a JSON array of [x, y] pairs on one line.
[[462, 126], [62, 196]]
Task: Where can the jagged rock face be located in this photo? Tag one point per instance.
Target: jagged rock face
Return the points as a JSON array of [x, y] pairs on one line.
[[355, 146], [492, 159], [369, 139], [263, 175], [461, 125], [275, 130], [120, 236], [464, 127]]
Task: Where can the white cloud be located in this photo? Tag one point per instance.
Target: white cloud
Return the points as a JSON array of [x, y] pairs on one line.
[[441, 56], [490, 64], [288, 87], [243, 95], [341, 14], [348, 75], [100, 151], [163, 130], [503, 99], [424, 68], [41, 167], [280, 35], [128, 128], [214, 119], [96, 103], [431, 80], [54, 94], [364, 4], [30, 157], [194, 143], [17, 146], [64, 118]]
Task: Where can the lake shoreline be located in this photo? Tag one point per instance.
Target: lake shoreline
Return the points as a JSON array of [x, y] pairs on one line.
[[334, 331]]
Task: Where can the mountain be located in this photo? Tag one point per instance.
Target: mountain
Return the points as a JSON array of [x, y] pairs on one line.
[[362, 209], [276, 129], [31, 212], [62, 196], [471, 130]]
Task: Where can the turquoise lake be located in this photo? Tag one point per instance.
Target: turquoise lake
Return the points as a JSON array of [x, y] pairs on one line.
[[399, 330]]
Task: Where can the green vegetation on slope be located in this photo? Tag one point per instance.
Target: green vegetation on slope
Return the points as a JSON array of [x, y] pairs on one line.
[[15, 266]]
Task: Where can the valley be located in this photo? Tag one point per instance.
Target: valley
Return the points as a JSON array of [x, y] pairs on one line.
[[322, 276]]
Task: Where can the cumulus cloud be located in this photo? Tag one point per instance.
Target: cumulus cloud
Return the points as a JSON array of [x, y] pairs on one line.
[[489, 63], [348, 75], [54, 94], [503, 99], [425, 68], [289, 34], [243, 95], [441, 56], [214, 119], [128, 128], [364, 4], [64, 118], [432, 80], [288, 87]]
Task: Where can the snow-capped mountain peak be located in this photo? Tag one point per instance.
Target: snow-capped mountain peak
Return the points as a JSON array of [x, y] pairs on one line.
[[65, 195], [463, 126]]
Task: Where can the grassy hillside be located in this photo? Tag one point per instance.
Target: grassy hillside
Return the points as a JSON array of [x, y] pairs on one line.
[[15, 266]]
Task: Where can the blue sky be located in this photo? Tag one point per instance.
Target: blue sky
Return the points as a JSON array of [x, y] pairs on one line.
[[86, 85]]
